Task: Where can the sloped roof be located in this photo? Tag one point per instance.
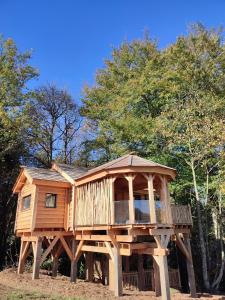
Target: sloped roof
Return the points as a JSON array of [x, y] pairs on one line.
[[45, 174], [73, 172], [129, 160]]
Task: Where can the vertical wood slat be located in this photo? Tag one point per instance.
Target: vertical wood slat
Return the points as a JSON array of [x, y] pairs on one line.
[[131, 200], [94, 203], [152, 212]]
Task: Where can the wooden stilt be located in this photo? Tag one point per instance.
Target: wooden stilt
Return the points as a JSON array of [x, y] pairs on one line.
[[127, 264], [190, 268], [24, 249], [140, 272], [156, 278], [118, 287], [73, 272], [37, 258], [164, 276], [89, 266], [107, 271], [111, 274], [55, 264]]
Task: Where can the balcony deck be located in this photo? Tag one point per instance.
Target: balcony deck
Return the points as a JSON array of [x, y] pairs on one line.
[[181, 214]]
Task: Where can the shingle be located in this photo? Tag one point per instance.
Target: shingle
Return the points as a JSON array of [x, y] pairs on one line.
[[73, 172], [128, 160], [46, 174]]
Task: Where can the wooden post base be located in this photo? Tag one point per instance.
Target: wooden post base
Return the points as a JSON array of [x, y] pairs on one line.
[[89, 266], [73, 272], [37, 258], [164, 276]]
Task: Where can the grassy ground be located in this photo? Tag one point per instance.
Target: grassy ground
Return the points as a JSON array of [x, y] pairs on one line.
[[22, 287], [13, 294]]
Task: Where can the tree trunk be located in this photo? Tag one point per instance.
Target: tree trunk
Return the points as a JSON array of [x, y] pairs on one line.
[[201, 234]]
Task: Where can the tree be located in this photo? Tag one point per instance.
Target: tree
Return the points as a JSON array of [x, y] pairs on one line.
[[54, 122], [168, 105], [15, 73]]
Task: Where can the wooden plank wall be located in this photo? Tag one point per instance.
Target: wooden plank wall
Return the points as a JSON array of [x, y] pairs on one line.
[[50, 217], [24, 217], [93, 204], [70, 210]]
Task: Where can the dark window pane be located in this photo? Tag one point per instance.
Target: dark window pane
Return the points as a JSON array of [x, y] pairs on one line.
[[26, 202], [50, 200]]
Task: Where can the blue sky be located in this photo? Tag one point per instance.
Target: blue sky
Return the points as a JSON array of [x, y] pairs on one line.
[[71, 38]]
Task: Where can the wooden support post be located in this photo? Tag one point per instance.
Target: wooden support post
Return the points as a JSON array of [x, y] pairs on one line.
[[156, 278], [55, 263], [140, 272], [107, 271], [164, 276], [73, 271], [152, 213], [89, 266], [111, 274], [127, 263], [24, 247], [118, 286], [37, 258], [112, 197], [190, 268], [131, 199]]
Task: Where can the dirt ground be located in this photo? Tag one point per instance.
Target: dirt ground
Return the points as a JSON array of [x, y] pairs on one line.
[[13, 287]]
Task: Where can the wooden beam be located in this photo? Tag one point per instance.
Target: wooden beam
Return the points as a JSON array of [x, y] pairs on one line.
[[152, 213], [55, 264], [130, 179], [49, 249], [157, 286], [112, 198], [153, 251], [108, 246], [140, 272], [89, 266], [66, 247], [34, 207], [21, 257], [164, 276], [37, 258], [111, 274], [182, 247], [104, 238], [118, 287], [73, 272], [79, 251]]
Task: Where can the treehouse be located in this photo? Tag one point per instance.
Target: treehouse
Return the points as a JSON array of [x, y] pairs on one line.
[[121, 209]]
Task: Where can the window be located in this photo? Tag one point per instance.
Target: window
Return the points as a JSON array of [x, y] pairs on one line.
[[50, 200], [26, 202]]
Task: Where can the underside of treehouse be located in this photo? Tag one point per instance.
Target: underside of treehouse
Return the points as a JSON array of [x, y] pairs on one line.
[[120, 210]]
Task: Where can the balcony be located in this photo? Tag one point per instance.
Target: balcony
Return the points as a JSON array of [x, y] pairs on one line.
[[181, 214]]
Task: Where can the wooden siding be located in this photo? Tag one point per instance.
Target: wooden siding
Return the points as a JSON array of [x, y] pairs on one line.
[[24, 217], [93, 203], [70, 210], [50, 217], [181, 214]]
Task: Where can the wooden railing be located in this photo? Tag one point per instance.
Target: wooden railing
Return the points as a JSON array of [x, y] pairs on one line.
[[181, 214], [130, 280]]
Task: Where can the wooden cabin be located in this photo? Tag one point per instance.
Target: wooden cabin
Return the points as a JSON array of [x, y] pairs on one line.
[[120, 209]]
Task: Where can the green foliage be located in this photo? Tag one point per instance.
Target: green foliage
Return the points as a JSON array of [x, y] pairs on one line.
[[169, 105], [15, 72]]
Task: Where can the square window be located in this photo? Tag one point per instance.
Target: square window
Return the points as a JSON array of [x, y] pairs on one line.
[[26, 202], [50, 200]]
